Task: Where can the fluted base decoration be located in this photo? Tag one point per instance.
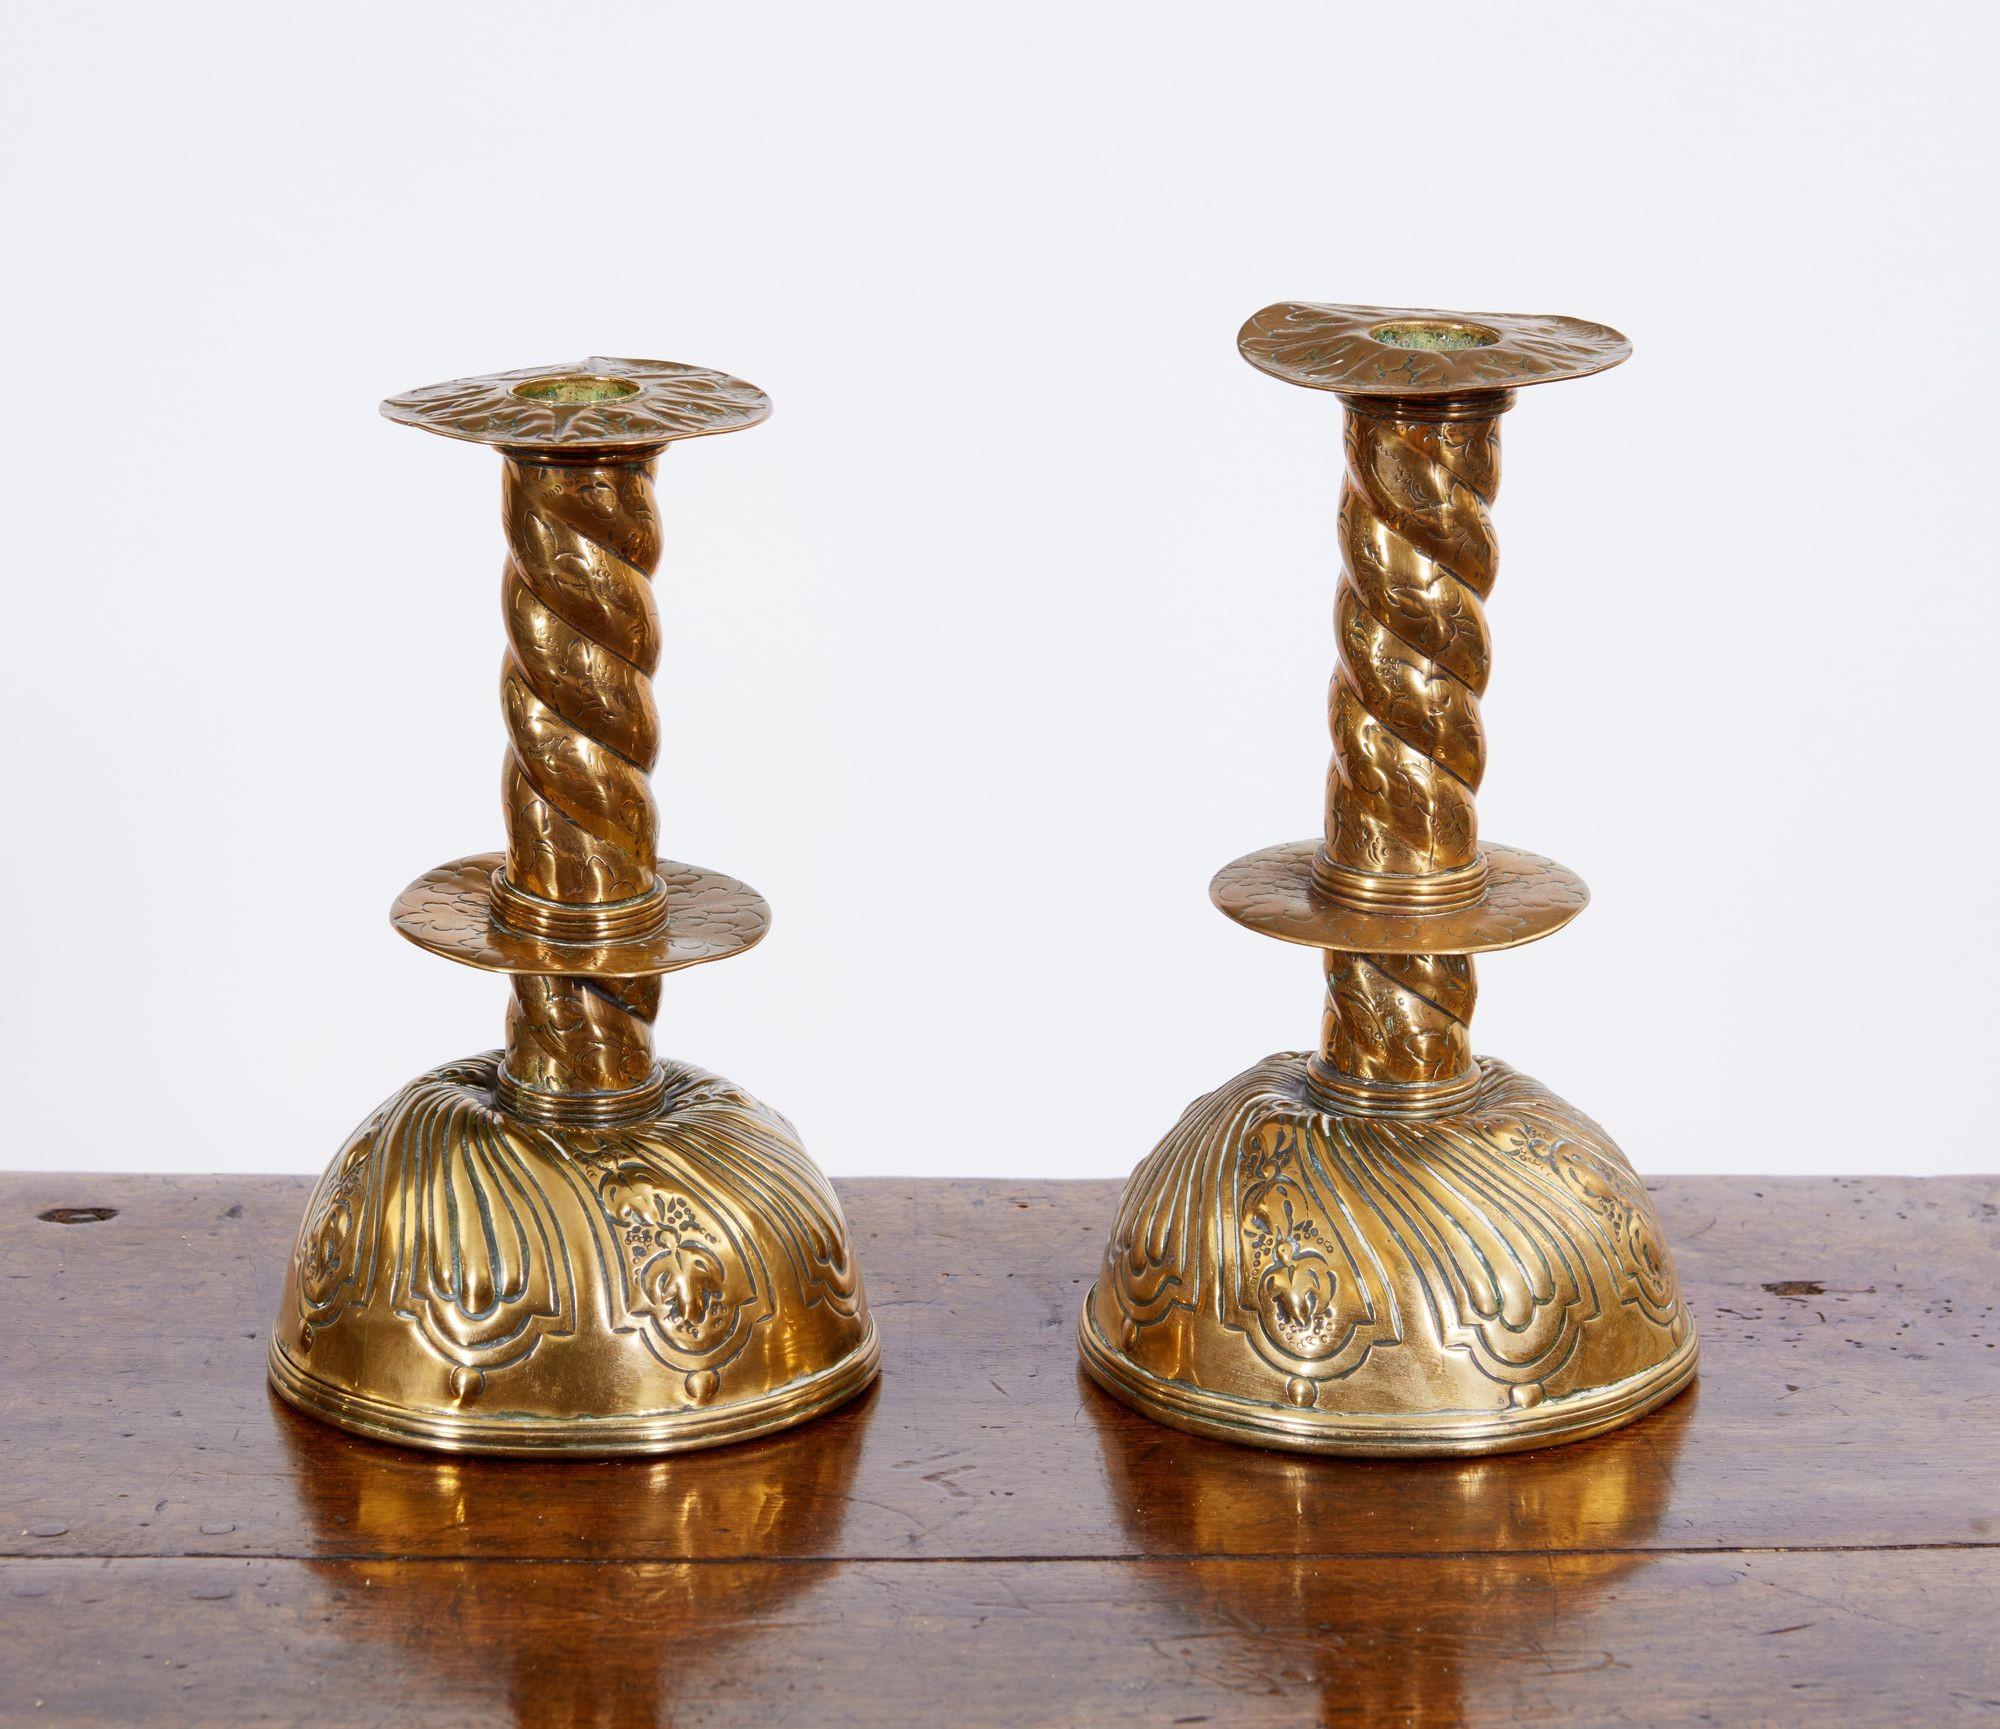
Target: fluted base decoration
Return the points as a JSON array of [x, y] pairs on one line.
[[469, 1282], [1479, 1282]]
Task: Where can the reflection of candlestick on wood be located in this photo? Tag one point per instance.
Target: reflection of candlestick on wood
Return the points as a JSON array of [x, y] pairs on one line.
[[451, 1639], [571, 1246], [1389, 1245], [1496, 1537]]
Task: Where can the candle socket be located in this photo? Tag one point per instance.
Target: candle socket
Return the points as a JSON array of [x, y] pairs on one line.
[[1388, 1245], [569, 1246]]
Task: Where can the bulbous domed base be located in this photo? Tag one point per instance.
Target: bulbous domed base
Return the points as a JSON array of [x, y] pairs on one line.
[[1474, 1283], [470, 1282]]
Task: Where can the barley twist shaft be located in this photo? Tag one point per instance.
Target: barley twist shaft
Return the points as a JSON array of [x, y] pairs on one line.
[[583, 640], [1418, 561], [1398, 1020]]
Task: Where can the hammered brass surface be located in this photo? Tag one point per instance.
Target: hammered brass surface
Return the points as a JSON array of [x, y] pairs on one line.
[[1526, 898], [602, 403], [710, 916], [1408, 350], [1388, 1245], [572, 1247]]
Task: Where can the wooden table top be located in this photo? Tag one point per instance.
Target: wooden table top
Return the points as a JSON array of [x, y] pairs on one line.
[[1808, 1537]]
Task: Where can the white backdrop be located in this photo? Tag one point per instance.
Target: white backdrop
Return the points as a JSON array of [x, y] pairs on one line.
[[1013, 624]]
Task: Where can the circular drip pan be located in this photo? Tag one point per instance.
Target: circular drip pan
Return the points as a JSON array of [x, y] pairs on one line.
[[710, 917], [1272, 892]]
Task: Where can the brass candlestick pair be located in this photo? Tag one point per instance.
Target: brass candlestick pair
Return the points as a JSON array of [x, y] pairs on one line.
[[1389, 1246]]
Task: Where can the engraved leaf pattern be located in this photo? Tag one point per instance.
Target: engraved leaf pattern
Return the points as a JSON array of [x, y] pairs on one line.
[[482, 1230], [1511, 1234]]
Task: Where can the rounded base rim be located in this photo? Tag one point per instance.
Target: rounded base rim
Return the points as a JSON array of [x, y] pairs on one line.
[[1382, 1434], [623, 1433]]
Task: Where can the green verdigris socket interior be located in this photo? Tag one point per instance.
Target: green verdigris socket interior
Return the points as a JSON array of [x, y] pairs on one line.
[[568, 392], [1433, 334]]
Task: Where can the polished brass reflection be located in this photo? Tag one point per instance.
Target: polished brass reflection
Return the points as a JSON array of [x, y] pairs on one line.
[[1389, 1245], [611, 1647], [1475, 1631], [572, 1246]]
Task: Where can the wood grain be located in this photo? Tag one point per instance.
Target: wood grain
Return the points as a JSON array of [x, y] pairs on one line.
[[985, 1537], [1846, 1638], [135, 1413]]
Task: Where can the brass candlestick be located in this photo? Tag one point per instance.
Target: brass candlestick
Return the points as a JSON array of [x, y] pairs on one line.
[[1390, 1246], [570, 1247]]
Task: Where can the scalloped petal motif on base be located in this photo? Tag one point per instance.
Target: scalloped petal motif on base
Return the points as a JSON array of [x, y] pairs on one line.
[[467, 1281], [1469, 1283]]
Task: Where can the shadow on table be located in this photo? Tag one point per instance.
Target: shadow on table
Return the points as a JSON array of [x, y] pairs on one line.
[[1310, 1592], [613, 1594]]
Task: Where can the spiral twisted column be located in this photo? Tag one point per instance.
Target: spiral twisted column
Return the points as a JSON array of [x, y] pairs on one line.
[[1398, 1023], [1418, 560], [583, 643]]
